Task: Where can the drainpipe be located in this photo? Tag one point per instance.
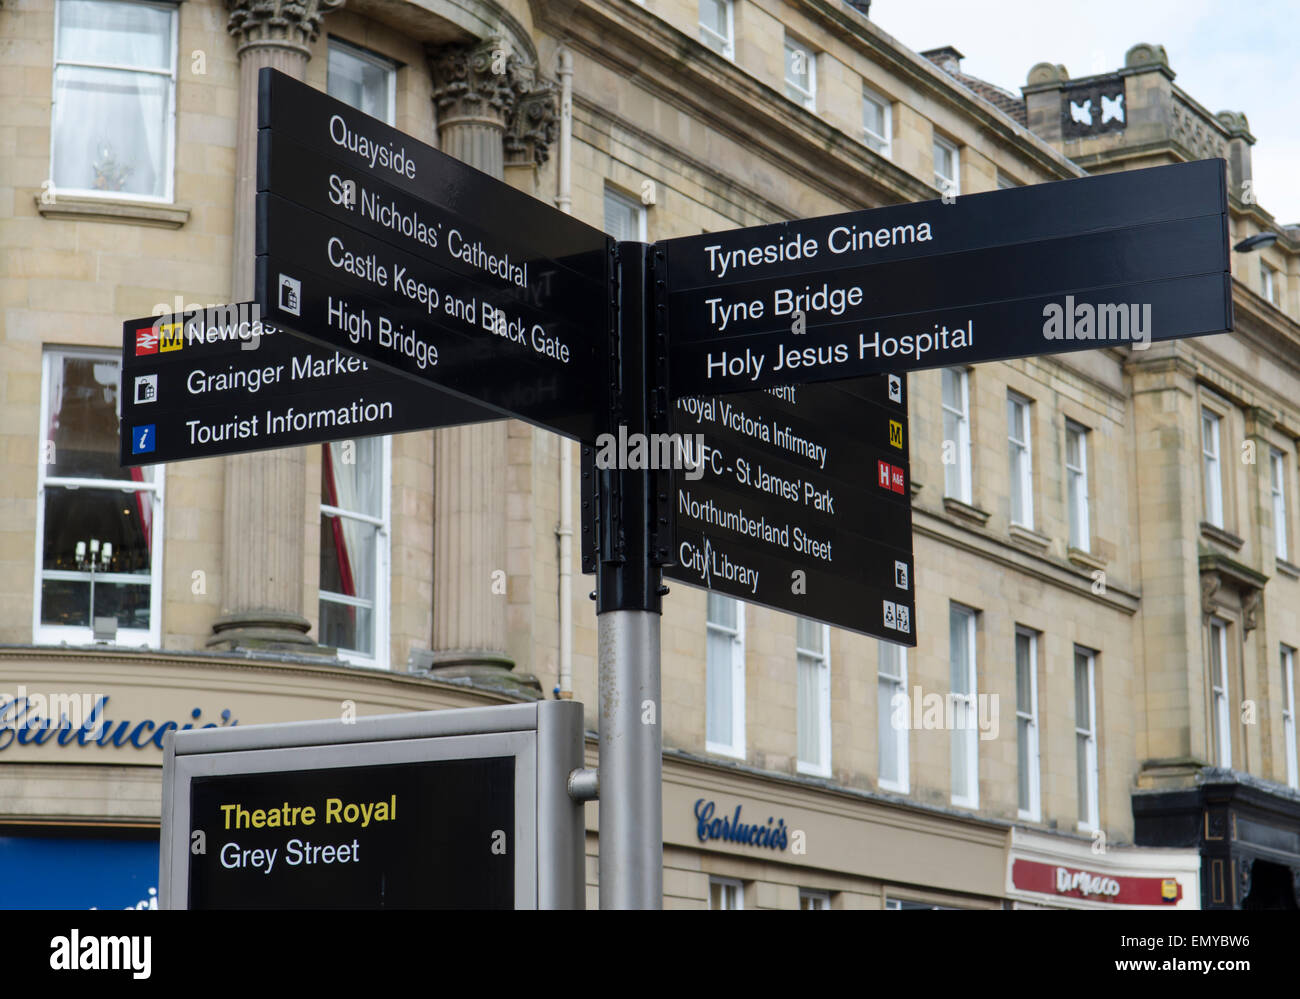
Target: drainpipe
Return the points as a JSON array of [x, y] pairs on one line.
[[564, 533]]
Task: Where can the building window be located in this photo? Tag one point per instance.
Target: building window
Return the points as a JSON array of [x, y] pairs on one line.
[[1210, 423], [877, 125], [625, 216], [724, 893], [947, 167], [891, 716], [114, 99], [813, 651], [1268, 283], [1006, 183], [717, 26], [726, 676], [1022, 484], [965, 734], [1288, 715], [814, 899], [1076, 478], [354, 557], [1085, 736], [1220, 721], [956, 434], [362, 79], [800, 73], [1277, 466], [1027, 723], [99, 526]]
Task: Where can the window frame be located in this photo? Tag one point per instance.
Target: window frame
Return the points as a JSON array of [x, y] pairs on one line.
[[728, 49], [951, 147], [1214, 512], [1289, 749], [736, 748], [169, 166], [807, 97], [884, 721], [363, 54], [1268, 283], [381, 612], [886, 141], [1092, 821], [727, 884], [1025, 487], [1277, 492], [630, 201], [55, 634], [1220, 692], [963, 470], [1034, 813], [820, 899], [1078, 506], [823, 768], [968, 732]]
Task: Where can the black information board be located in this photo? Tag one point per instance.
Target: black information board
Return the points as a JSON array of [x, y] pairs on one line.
[[1122, 258], [430, 834], [371, 242], [220, 381]]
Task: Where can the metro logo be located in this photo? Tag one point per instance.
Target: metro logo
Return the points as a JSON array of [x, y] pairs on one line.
[[895, 433], [173, 336], [146, 341]]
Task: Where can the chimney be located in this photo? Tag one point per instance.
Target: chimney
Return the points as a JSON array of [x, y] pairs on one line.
[[947, 58]]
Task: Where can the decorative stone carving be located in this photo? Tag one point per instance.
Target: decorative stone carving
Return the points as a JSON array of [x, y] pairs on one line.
[[1210, 583], [1045, 72], [1196, 134], [1250, 609], [290, 23], [1235, 122], [1244, 871], [1143, 54], [532, 122], [473, 82]]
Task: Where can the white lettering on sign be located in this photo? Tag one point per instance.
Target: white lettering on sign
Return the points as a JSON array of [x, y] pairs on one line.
[[840, 240], [371, 151], [1085, 883]]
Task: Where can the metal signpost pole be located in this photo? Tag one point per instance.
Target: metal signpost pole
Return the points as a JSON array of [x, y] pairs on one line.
[[628, 609]]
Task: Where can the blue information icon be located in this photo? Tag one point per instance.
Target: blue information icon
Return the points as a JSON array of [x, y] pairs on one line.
[[143, 439]]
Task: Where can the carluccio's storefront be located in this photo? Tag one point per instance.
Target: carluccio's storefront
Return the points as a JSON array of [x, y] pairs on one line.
[[81, 735]]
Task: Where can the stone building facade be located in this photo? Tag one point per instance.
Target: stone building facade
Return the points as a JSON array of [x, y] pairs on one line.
[[1094, 560]]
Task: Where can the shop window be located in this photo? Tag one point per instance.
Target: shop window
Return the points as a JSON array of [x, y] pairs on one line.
[[1027, 764], [99, 526], [1085, 737], [366, 81], [725, 644], [965, 730], [112, 131], [813, 653], [725, 893], [354, 549], [891, 715]]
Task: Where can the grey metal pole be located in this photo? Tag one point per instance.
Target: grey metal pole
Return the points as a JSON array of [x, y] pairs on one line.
[[631, 761]]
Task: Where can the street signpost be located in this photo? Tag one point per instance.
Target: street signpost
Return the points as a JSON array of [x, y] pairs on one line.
[[457, 809], [784, 347], [372, 242], [218, 381]]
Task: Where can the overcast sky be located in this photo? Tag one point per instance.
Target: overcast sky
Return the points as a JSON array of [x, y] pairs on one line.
[[1240, 56]]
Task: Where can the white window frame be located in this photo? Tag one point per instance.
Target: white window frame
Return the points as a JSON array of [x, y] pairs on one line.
[[806, 97], [728, 44], [728, 885], [1023, 489], [1211, 465], [1277, 490], [1087, 737], [1078, 515], [885, 728], [1006, 183], [381, 613], [941, 181], [961, 470], [965, 714], [1268, 283], [52, 634], [737, 745], [627, 201], [818, 899], [1288, 717], [1220, 693], [169, 166], [822, 767], [882, 144], [1034, 813], [375, 59]]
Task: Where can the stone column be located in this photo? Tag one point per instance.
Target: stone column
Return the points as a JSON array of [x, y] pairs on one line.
[[265, 493], [477, 92]]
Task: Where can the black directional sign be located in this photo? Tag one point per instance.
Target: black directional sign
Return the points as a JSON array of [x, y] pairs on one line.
[[219, 381], [374, 243], [1126, 257], [802, 501]]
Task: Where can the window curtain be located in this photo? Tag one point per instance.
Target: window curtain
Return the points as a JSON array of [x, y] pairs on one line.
[[346, 535]]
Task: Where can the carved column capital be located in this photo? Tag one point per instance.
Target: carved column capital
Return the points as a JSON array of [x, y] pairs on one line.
[[473, 83], [292, 24], [531, 124]]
